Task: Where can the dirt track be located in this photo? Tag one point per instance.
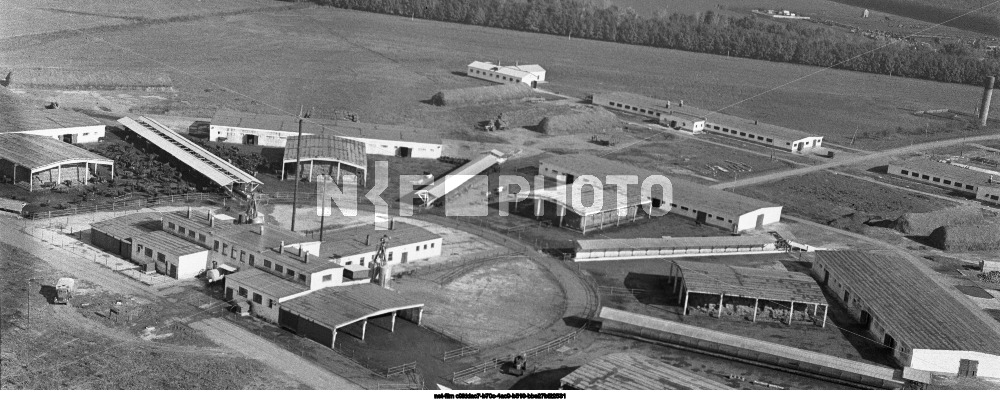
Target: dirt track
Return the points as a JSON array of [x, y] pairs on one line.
[[852, 160], [252, 346]]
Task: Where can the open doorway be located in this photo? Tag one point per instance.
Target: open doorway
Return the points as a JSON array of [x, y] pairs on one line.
[[250, 139], [68, 138], [701, 217], [866, 320], [534, 84], [404, 151], [570, 178], [889, 343], [760, 221]]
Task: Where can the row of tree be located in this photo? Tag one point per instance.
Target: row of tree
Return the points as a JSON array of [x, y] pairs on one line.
[[747, 37]]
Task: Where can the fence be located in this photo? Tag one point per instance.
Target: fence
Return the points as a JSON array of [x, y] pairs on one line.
[[401, 369], [458, 353], [128, 204], [486, 366]]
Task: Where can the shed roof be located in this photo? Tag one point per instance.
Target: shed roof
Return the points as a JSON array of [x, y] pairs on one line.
[[12, 205], [948, 170], [17, 115], [672, 242], [756, 127], [634, 371], [684, 192], [130, 225], [335, 307], [266, 282], [634, 99], [351, 241], [911, 305], [327, 147], [746, 282], [38, 152], [341, 128], [519, 71], [563, 194], [161, 241]]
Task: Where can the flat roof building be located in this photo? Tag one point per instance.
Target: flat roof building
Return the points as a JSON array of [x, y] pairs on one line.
[[529, 74], [355, 247], [909, 314], [274, 131], [980, 183], [704, 204], [35, 162]]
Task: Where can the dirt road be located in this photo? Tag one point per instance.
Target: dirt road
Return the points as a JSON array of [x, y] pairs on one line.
[[252, 346], [852, 160]]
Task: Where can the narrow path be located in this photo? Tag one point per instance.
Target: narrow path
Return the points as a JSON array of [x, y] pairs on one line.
[[854, 159], [254, 347]]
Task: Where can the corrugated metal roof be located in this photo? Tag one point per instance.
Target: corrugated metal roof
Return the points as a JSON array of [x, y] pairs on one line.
[[129, 226], [774, 285], [563, 195], [341, 128], [707, 199], [455, 179], [672, 242], [351, 241], [336, 307], [268, 283], [16, 116], [947, 170], [327, 147], [633, 371], [746, 343], [199, 159], [36, 152], [161, 241], [912, 307]]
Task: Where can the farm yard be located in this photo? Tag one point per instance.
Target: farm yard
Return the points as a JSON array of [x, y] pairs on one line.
[[386, 79]]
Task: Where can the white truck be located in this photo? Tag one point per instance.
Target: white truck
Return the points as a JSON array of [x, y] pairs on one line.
[[65, 288]]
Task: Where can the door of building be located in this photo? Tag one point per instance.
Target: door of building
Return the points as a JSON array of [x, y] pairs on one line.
[[570, 178], [403, 260], [800, 146], [826, 277], [404, 152], [534, 84], [866, 320], [172, 272], [760, 221], [701, 217], [229, 293], [250, 139], [68, 138], [889, 343]]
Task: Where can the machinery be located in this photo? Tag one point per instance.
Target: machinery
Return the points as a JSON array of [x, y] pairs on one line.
[[381, 271], [65, 288], [519, 366]]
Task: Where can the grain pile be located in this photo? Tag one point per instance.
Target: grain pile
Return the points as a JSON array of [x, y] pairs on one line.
[[925, 223], [587, 119], [968, 237], [482, 94], [59, 78]]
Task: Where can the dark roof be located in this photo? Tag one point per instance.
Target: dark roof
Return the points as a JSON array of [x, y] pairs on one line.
[[129, 226], [351, 241], [908, 303], [684, 192], [673, 242], [341, 128], [634, 371], [336, 307], [947, 170], [747, 282], [266, 282], [327, 147], [34, 152], [168, 243]]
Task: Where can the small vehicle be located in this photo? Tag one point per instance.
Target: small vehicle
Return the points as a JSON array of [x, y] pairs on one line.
[[65, 288]]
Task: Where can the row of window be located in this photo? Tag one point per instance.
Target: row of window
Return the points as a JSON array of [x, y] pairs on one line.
[[188, 233], [633, 108], [686, 209], [491, 75], [926, 177], [388, 256], [149, 253], [993, 197], [743, 134], [257, 298]]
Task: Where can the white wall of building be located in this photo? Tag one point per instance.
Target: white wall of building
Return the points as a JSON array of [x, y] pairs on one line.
[[948, 361], [748, 221], [559, 173], [804, 144], [414, 252], [391, 148], [267, 308], [503, 75], [990, 194], [275, 139], [88, 134], [187, 266]]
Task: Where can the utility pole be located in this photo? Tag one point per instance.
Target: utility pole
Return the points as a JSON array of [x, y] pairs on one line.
[[29, 305], [298, 165]]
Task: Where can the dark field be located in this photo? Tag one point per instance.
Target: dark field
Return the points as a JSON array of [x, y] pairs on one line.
[[824, 196], [382, 67]]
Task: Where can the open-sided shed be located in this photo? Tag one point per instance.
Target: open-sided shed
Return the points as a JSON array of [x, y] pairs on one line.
[[43, 161], [325, 155]]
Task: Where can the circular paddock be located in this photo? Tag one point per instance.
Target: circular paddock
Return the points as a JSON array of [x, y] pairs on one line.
[[493, 302]]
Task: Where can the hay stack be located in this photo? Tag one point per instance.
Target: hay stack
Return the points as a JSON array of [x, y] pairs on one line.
[[60, 78], [925, 223], [588, 119], [968, 237], [482, 94]]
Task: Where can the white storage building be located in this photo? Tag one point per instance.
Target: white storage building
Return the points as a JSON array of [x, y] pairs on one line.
[[65, 125], [981, 184], [530, 74]]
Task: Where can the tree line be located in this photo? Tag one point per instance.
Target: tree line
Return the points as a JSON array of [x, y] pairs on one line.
[[709, 32]]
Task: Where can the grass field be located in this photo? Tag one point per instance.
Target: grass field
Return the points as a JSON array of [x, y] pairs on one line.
[[382, 67], [824, 196]]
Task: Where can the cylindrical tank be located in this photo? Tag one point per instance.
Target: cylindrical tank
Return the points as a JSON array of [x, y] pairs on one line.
[[984, 109], [213, 275]]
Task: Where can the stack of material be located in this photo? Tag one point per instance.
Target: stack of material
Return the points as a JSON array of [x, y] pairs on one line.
[[633, 371], [481, 94], [925, 223], [968, 237], [586, 119]]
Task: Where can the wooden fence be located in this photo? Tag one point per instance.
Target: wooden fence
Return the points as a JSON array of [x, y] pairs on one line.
[[129, 205]]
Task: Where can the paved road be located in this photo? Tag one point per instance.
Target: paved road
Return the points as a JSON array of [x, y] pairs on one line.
[[252, 346], [852, 160]]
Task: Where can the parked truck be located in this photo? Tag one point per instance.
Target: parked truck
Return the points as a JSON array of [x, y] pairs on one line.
[[65, 288]]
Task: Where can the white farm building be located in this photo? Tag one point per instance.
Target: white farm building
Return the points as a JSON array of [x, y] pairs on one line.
[[530, 74], [273, 131], [966, 179], [64, 125]]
